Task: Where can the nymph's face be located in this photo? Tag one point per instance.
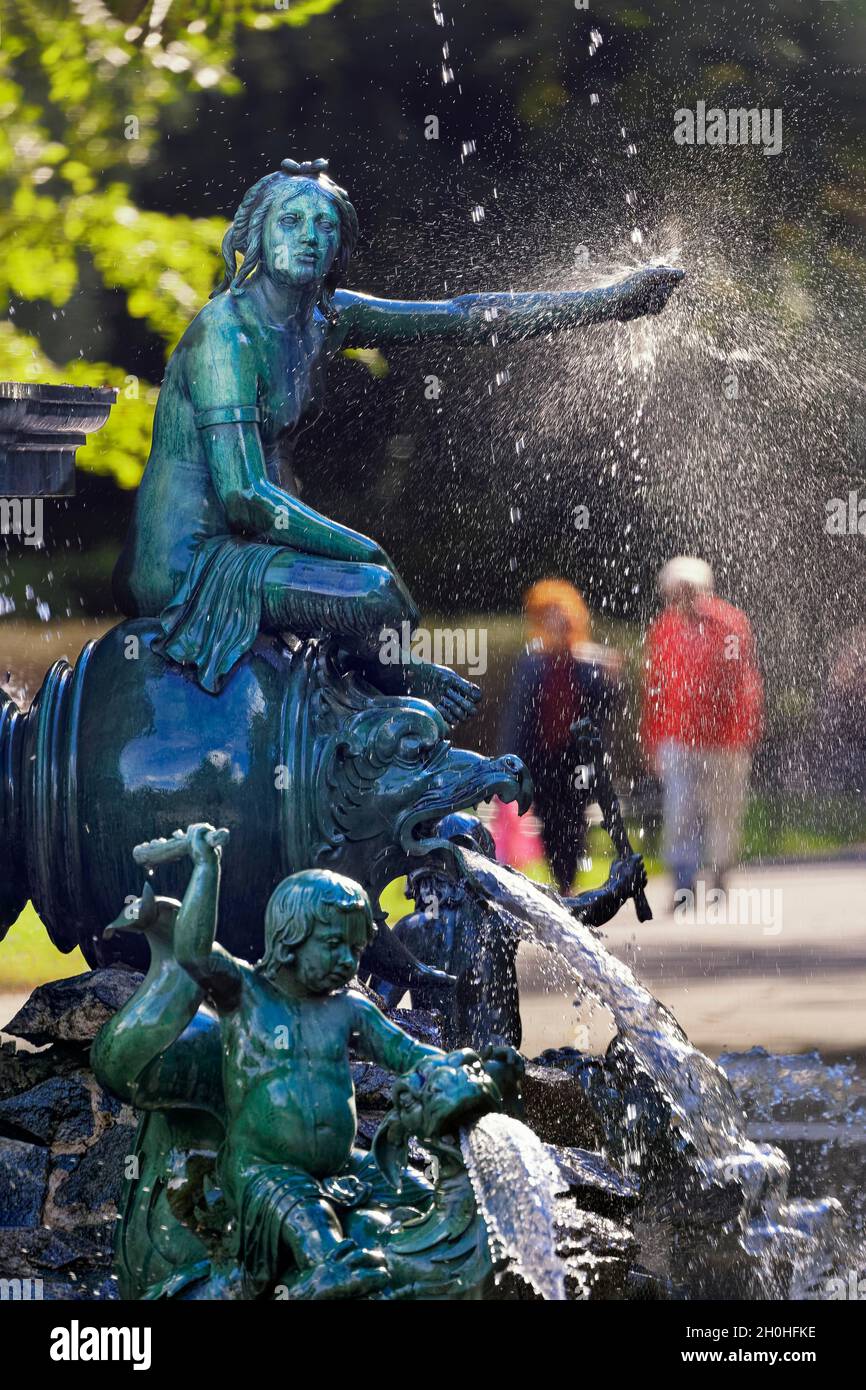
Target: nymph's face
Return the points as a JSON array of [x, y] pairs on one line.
[[301, 236], [330, 956]]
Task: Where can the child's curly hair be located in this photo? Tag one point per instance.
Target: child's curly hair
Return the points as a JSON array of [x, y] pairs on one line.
[[299, 903]]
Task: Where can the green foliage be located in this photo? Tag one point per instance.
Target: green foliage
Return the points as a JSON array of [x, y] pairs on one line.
[[30, 957], [84, 89], [121, 447]]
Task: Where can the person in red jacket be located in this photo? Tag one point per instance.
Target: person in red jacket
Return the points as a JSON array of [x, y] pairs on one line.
[[702, 716]]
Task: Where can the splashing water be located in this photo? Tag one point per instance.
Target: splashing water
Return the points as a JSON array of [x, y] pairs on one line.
[[746, 1235], [698, 1091], [515, 1184]]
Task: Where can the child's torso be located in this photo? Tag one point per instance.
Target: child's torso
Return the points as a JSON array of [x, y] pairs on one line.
[[288, 1084]]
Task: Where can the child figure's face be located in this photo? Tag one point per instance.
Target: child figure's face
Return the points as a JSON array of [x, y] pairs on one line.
[[329, 957]]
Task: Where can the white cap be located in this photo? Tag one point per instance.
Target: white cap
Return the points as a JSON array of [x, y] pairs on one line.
[[685, 570]]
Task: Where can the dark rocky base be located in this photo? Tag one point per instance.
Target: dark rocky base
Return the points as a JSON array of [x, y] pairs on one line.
[[64, 1143]]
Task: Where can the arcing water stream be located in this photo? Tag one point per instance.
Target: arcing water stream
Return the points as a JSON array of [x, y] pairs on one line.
[[716, 1219], [515, 1183]]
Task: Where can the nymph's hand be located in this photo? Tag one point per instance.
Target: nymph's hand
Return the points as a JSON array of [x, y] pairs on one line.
[[647, 291]]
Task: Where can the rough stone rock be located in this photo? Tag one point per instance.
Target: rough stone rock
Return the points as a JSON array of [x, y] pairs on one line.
[[373, 1083], [73, 1010], [56, 1110], [63, 1141], [59, 1266], [372, 1086], [423, 1024], [369, 1122], [96, 1181], [23, 1182], [688, 1201], [557, 1108], [631, 1110], [21, 1068]]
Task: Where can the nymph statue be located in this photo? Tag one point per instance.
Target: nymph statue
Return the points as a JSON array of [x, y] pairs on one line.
[[221, 545]]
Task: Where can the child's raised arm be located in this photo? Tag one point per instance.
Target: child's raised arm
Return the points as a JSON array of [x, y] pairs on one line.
[[195, 929]]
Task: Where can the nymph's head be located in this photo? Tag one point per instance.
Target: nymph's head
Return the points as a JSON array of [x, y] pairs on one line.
[[317, 923], [297, 227]]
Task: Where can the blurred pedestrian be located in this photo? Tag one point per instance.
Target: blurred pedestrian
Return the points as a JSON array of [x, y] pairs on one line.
[[561, 677], [839, 735], [702, 716]]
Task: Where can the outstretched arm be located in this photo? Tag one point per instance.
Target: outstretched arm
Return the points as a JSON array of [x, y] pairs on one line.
[[475, 318], [195, 930]]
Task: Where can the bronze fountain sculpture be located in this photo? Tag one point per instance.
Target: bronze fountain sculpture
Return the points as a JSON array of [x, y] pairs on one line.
[[244, 691]]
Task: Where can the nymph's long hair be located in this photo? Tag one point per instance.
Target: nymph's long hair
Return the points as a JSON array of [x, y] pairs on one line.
[[244, 236]]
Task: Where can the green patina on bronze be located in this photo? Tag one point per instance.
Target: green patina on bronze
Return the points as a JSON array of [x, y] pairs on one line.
[[245, 689], [196, 707], [307, 765], [221, 546], [248, 1183]]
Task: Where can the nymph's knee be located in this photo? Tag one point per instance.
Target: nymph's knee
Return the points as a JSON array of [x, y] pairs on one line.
[[386, 600]]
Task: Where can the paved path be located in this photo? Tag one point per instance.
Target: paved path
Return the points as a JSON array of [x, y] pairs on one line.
[[790, 978]]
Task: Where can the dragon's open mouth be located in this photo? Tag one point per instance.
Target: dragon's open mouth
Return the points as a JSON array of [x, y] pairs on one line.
[[483, 779]]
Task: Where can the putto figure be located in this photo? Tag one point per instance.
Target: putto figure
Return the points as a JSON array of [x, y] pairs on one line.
[[291, 1208], [221, 546], [473, 940]]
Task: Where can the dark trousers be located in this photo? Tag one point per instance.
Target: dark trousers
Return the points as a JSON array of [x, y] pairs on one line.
[[560, 808]]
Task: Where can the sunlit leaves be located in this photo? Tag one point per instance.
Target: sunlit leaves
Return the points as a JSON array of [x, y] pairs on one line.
[[84, 85], [120, 447], [167, 264]]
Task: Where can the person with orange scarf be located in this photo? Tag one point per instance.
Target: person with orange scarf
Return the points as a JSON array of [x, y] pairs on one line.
[[560, 678]]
